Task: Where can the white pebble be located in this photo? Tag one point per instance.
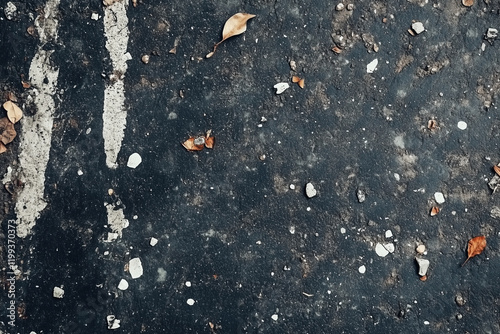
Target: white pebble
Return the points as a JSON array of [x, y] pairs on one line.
[[188, 284], [135, 268], [310, 191], [113, 323], [423, 265], [292, 186], [94, 16], [462, 125], [340, 6], [190, 302], [123, 285], [439, 197], [390, 247], [79, 172], [381, 250], [420, 249], [388, 234], [274, 317], [362, 269], [418, 27], [58, 292], [370, 68], [292, 229], [134, 160], [342, 230], [153, 241], [281, 87]]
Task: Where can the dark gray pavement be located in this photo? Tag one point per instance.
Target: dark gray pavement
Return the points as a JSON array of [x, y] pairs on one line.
[[241, 248]]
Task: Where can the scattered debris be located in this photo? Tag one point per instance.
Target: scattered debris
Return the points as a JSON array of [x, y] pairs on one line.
[[362, 269], [14, 113], [197, 143], [439, 197], [361, 195], [350, 7], [417, 27], [293, 65], [310, 191], [58, 292], [123, 285], [337, 50], [299, 81], [113, 323], [340, 6], [491, 33], [7, 131], [460, 300], [372, 66], [462, 125], [281, 87], [388, 234], [475, 247], [235, 25], [467, 3], [109, 2], [145, 59], [497, 170], [135, 268], [420, 249], [434, 211], [383, 250], [432, 124], [423, 266], [10, 11], [134, 160]]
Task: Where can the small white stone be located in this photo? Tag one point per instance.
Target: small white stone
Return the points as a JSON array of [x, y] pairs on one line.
[[190, 302], [439, 197], [462, 125], [342, 230], [423, 266], [58, 292], [274, 317], [113, 323], [420, 249], [381, 250], [397, 176], [153, 241], [426, 322], [135, 268], [123, 285], [310, 191], [370, 68], [10, 10], [390, 247], [292, 229], [418, 27], [95, 16], [281, 87], [340, 6], [388, 234], [79, 172], [362, 269], [188, 284], [292, 186], [134, 160]]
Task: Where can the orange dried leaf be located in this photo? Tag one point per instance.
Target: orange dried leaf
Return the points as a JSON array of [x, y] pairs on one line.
[[295, 78], [209, 142], [2, 148], [475, 247], [434, 211], [25, 84], [497, 170], [190, 145], [7, 131], [337, 50], [14, 113], [302, 83]]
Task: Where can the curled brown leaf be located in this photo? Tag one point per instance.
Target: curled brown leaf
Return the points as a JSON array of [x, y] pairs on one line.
[[7, 131], [235, 25], [475, 247]]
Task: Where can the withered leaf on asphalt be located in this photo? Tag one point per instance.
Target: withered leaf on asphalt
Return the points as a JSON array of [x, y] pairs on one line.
[[14, 113], [299, 81], [191, 146], [2, 148], [7, 131], [434, 211], [197, 143], [497, 170], [235, 25], [475, 247]]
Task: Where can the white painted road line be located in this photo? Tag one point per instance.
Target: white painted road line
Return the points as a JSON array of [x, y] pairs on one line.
[[115, 114], [36, 135]]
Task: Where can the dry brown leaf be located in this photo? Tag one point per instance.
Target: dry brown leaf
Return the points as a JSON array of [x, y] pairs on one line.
[[191, 146], [302, 83], [337, 50], [235, 25], [434, 211], [476, 247], [14, 113], [295, 79], [7, 131], [497, 170], [299, 81], [25, 84], [209, 142], [12, 97], [2, 148]]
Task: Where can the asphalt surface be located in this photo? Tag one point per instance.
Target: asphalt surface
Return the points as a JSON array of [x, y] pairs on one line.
[[241, 248]]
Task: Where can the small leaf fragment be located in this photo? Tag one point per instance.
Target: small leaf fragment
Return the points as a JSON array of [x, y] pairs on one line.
[[299, 81], [497, 170], [475, 247], [434, 211], [7, 131], [337, 50], [191, 146], [14, 113], [209, 141], [3, 149], [295, 79]]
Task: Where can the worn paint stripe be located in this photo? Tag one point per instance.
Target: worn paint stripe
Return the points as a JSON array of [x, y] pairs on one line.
[[115, 114], [36, 134]]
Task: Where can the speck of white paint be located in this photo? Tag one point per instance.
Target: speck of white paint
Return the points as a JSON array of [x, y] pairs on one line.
[[153, 241], [190, 302], [135, 268], [397, 176], [370, 68], [399, 141], [274, 317], [462, 125], [123, 285], [162, 275], [134, 160], [188, 284], [116, 219], [362, 269]]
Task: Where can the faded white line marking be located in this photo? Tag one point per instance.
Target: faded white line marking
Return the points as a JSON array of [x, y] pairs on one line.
[[36, 136], [115, 114]]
